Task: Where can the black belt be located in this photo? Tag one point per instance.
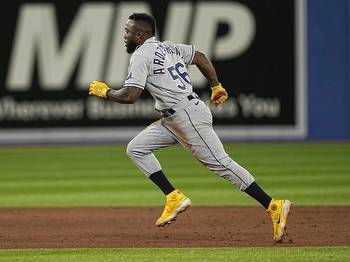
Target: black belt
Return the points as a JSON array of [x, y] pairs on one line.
[[171, 111]]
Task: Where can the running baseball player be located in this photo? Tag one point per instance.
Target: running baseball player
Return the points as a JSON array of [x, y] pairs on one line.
[[161, 68]]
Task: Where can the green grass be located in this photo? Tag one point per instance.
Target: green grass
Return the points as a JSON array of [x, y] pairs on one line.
[[306, 173], [310, 254]]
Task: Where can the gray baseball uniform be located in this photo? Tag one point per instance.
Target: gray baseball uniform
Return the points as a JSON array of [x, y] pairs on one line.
[[161, 68]]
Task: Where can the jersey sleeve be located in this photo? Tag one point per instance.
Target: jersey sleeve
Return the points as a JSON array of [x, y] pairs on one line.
[[187, 52], [138, 72]]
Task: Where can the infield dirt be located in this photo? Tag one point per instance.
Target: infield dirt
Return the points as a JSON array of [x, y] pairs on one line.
[[197, 227]]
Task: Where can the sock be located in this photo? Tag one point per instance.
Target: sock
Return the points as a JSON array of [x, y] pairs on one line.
[[162, 182], [258, 194]]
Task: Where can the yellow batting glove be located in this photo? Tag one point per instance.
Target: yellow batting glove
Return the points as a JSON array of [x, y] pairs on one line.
[[98, 89], [218, 95]]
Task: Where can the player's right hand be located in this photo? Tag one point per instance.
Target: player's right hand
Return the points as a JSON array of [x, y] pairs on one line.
[[218, 95], [98, 89]]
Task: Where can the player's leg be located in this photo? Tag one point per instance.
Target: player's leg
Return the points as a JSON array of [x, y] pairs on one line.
[[140, 150], [193, 127], [198, 135]]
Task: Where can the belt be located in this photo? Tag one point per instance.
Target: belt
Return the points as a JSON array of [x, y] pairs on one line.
[[171, 111]]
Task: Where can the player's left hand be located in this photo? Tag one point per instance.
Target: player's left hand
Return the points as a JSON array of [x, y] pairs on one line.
[[98, 89], [218, 95]]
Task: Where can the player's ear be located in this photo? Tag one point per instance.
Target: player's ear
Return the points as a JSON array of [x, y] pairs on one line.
[[139, 35]]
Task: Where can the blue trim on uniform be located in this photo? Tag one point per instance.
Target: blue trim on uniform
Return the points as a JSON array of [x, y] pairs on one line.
[[212, 151]]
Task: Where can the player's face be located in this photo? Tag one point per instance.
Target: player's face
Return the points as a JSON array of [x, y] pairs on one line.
[[130, 36]]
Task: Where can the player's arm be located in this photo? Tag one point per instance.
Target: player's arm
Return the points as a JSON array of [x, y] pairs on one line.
[[125, 95], [219, 94], [206, 67]]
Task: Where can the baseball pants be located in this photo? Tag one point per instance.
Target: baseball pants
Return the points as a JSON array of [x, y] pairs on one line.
[[191, 126]]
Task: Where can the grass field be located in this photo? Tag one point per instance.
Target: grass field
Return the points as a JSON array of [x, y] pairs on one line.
[[314, 254], [306, 173]]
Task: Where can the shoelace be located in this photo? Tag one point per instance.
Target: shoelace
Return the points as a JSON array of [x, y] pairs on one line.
[[170, 205], [275, 215]]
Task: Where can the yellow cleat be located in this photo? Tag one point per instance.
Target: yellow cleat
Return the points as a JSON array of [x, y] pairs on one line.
[[176, 202], [278, 211]]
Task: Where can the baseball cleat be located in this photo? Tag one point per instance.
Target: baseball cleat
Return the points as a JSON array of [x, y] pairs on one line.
[[176, 202], [278, 211]]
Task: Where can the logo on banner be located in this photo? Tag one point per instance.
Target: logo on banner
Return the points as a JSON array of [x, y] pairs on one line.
[[95, 46]]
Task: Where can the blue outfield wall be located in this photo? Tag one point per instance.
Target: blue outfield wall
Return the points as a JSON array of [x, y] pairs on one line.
[[328, 70]]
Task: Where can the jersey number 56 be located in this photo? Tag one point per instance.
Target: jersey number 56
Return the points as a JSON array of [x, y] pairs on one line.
[[176, 74]]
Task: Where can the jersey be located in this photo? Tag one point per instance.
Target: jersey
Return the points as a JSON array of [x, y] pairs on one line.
[[161, 68]]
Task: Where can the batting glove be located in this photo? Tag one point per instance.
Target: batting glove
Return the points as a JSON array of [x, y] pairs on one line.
[[218, 95], [98, 89]]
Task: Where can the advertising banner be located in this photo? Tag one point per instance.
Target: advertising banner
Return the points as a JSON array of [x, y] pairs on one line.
[[52, 50]]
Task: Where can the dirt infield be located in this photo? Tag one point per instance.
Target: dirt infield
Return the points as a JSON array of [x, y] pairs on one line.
[[197, 227]]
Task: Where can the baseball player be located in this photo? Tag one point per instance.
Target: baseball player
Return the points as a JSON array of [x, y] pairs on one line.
[[161, 68]]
